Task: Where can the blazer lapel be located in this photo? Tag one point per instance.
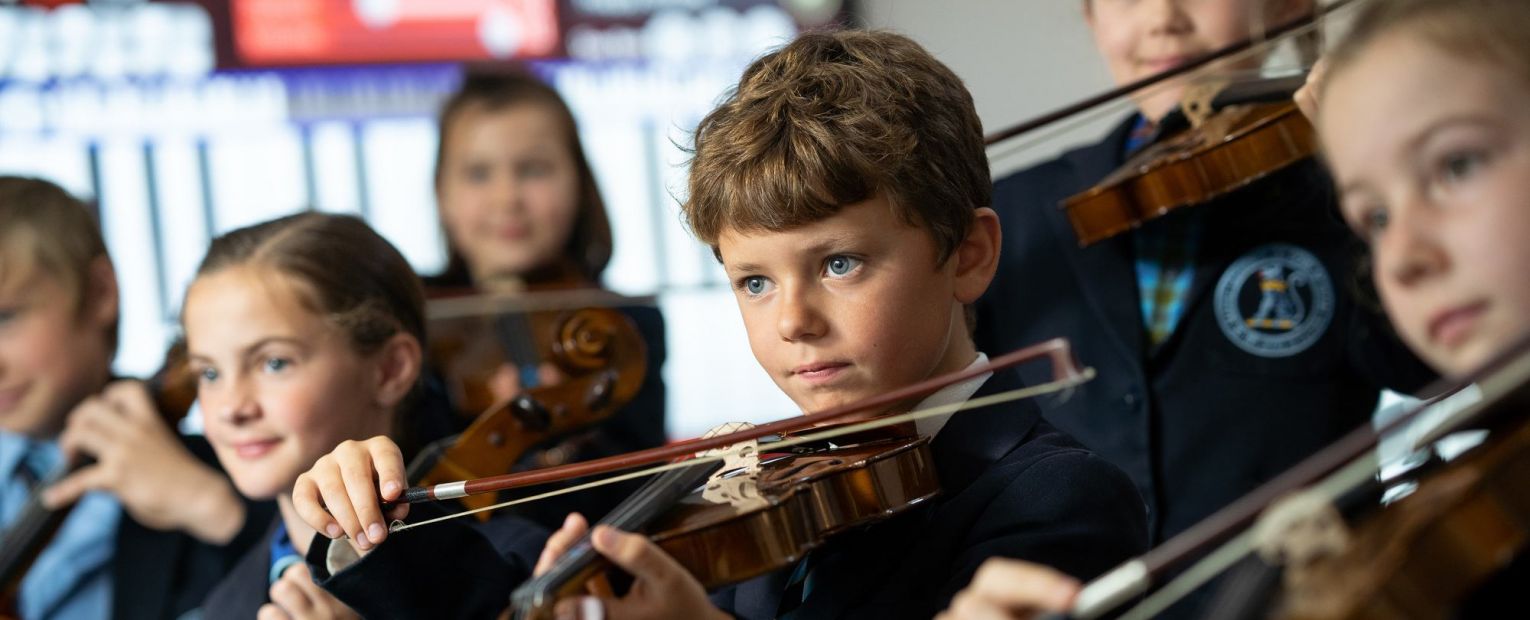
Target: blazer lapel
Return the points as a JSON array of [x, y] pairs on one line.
[[974, 439], [1105, 270]]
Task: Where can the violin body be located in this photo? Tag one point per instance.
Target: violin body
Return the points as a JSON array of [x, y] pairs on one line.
[[806, 499], [1420, 556], [801, 501], [598, 352], [1231, 149]]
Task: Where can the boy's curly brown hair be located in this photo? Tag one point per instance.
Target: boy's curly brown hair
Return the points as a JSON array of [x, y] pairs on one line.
[[833, 119]]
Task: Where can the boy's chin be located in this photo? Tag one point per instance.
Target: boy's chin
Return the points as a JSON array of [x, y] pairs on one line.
[[815, 404]]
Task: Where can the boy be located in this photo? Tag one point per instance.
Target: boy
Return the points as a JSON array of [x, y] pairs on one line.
[[58, 333], [842, 186]]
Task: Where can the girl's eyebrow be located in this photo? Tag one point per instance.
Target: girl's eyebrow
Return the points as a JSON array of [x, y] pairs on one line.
[[250, 350]]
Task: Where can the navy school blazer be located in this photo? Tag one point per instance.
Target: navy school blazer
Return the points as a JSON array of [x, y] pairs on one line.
[[1224, 404], [163, 574], [1012, 486]]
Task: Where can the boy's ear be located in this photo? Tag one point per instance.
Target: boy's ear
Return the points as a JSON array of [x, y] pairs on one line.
[[102, 299], [977, 256], [398, 368]]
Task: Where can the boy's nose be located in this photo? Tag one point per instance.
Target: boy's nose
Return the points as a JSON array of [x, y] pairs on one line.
[[798, 318]]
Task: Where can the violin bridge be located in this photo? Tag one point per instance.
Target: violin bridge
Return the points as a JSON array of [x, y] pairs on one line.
[[737, 482]]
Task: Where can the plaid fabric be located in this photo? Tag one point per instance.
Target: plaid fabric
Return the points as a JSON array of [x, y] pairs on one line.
[[1165, 258], [1165, 267]]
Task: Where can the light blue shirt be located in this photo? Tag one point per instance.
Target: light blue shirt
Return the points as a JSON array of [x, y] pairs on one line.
[[71, 579]]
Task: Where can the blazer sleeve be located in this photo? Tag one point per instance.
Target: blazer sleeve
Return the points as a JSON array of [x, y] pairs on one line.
[[1071, 511], [443, 570]]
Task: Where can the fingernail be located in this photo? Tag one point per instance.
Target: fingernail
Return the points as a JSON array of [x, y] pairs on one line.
[[604, 536], [568, 521], [376, 532], [333, 531], [390, 489], [362, 542]]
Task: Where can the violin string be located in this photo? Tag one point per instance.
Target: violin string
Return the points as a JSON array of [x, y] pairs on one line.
[[881, 422], [1082, 119]]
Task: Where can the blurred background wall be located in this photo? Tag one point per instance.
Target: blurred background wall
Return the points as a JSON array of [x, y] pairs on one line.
[[182, 120]]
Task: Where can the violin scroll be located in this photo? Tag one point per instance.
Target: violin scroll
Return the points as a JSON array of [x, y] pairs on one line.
[[603, 360]]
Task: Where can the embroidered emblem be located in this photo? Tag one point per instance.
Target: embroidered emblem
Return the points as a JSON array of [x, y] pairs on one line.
[[1275, 301]]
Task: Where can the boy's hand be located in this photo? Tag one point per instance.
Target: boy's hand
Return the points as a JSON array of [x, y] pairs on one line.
[[139, 459], [574, 527], [339, 495], [661, 588], [296, 597], [1012, 589]]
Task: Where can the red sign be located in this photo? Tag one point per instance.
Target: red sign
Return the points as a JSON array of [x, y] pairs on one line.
[[287, 32]]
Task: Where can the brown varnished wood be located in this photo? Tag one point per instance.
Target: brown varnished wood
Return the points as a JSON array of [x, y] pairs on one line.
[[1234, 148], [804, 500], [1420, 556], [598, 353]]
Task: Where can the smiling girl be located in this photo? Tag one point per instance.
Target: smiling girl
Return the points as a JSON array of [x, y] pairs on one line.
[[305, 332]]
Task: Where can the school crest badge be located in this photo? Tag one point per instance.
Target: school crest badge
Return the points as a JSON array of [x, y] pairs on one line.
[[1275, 301]]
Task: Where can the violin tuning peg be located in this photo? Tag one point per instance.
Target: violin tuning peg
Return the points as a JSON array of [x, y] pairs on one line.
[[532, 413]]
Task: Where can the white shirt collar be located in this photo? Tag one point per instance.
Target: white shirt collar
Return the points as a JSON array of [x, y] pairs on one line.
[[953, 394]]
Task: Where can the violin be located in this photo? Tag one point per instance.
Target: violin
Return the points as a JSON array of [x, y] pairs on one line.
[[1422, 555], [1419, 556], [727, 523], [597, 350], [1225, 137], [1233, 140], [173, 388], [800, 500]]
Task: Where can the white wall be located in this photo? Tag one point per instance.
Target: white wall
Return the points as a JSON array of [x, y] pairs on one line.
[[1019, 58]]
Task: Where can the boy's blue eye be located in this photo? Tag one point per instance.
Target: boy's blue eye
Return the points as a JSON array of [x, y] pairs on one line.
[[754, 285], [841, 265], [277, 364], [208, 375]]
